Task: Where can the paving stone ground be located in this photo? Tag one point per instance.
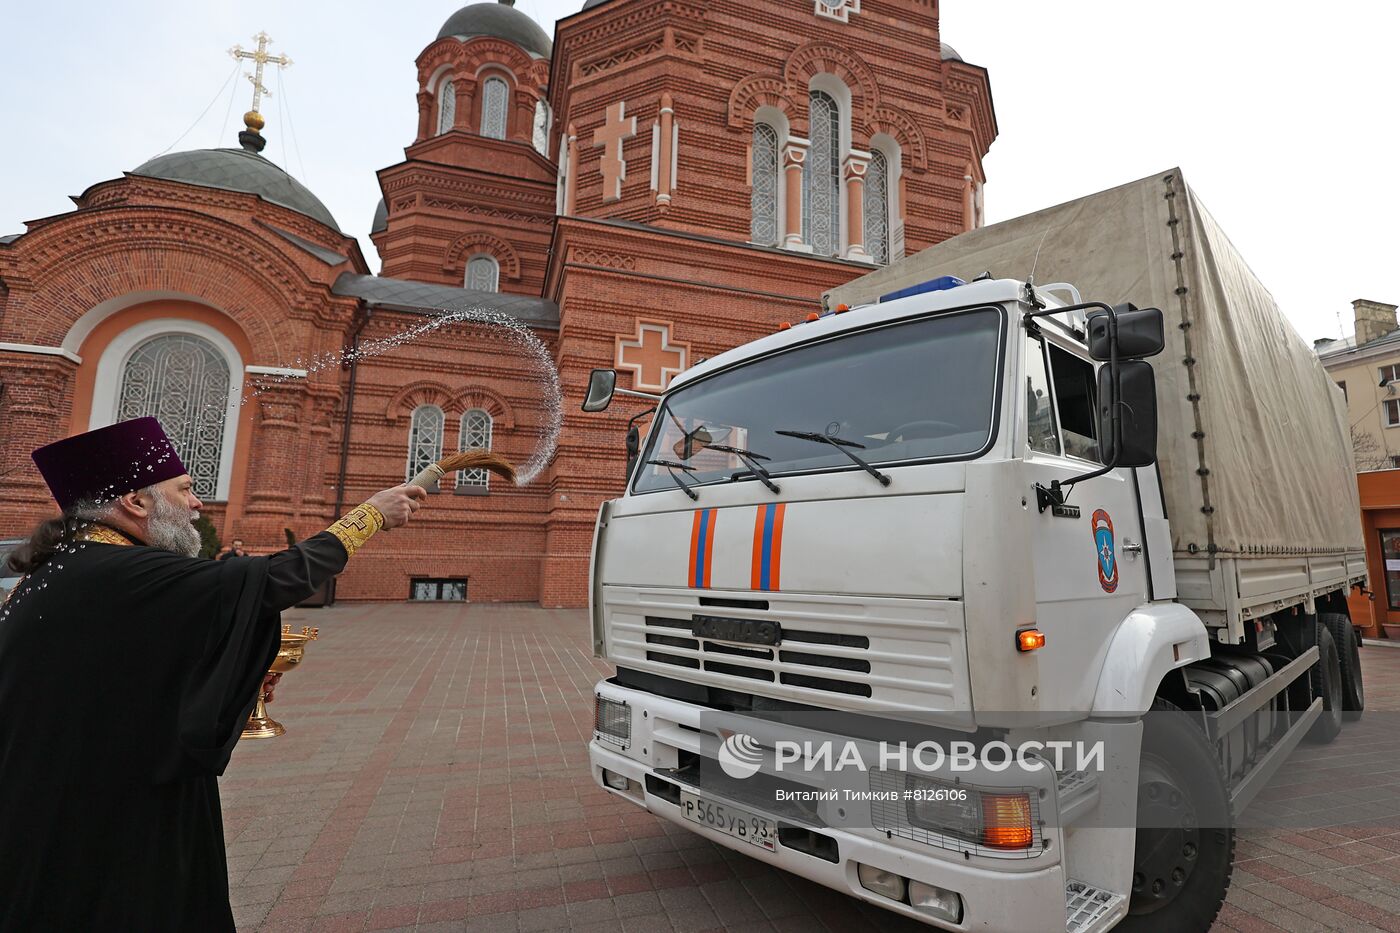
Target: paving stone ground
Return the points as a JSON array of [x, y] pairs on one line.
[[434, 776]]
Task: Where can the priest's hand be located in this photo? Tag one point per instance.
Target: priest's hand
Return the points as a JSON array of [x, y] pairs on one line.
[[398, 503], [268, 685]]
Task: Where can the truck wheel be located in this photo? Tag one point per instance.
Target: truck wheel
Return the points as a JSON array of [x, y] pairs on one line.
[[1349, 659], [1184, 852], [1326, 679]]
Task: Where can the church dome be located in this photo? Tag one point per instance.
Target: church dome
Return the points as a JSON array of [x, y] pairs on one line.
[[590, 4], [381, 217], [238, 170], [501, 20], [948, 53]]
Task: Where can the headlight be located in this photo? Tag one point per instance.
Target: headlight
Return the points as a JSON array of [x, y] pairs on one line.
[[996, 820], [612, 721]]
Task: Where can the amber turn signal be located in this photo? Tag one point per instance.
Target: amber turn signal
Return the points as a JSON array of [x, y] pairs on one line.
[[1006, 821], [1029, 639], [813, 316], [842, 309]]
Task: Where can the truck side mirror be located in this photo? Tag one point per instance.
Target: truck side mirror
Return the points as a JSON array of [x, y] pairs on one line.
[[1139, 333], [1137, 407], [601, 383]]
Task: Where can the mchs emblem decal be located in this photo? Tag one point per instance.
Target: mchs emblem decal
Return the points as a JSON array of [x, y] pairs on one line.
[[1102, 526]]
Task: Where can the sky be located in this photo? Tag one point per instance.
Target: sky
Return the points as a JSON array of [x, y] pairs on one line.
[[1282, 116]]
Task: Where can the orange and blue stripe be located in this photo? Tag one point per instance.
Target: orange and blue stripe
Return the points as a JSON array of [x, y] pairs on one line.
[[768, 546], [702, 547]]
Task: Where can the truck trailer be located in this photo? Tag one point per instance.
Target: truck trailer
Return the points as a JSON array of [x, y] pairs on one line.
[[1083, 546]]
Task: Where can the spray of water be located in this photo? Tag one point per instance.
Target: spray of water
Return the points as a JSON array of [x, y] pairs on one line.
[[541, 364]]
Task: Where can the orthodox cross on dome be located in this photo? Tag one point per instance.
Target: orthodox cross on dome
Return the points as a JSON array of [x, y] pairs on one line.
[[651, 357], [260, 58], [610, 136]]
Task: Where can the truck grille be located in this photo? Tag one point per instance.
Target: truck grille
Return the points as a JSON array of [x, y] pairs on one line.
[[835, 652], [758, 663]]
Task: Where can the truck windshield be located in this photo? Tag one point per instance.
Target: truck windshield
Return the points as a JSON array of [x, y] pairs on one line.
[[918, 390]]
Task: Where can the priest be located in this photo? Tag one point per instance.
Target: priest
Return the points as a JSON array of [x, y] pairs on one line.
[[128, 666]]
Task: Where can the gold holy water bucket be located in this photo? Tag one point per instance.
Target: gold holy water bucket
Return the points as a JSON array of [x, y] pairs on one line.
[[289, 655]]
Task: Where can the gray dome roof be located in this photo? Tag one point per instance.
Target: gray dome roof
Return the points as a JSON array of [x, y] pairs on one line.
[[501, 20], [590, 4], [381, 217], [948, 53], [238, 170]]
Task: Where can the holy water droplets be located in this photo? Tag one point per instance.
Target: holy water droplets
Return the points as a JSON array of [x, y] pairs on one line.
[[541, 363]]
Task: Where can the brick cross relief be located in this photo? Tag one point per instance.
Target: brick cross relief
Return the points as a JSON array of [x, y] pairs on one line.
[[651, 357], [610, 136]]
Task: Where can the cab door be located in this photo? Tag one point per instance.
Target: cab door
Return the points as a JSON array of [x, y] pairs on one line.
[[1089, 572]]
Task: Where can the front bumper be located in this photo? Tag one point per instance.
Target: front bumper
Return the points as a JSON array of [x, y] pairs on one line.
[[998, 893]]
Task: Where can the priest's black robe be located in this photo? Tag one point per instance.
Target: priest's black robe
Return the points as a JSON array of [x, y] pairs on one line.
[[126, 675]]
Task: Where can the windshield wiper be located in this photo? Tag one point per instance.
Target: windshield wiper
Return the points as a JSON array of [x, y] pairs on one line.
[[840, 444], [751, 461], [671, 467]]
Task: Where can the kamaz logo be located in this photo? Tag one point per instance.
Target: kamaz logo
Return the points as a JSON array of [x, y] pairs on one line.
[[750, 631]]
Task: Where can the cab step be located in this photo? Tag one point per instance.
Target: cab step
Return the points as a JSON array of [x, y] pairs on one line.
[[1088, 909]]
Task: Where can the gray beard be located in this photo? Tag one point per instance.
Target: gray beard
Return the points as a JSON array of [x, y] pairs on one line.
[[171, 528]]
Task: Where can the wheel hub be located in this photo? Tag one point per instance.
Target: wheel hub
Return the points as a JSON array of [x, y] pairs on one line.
[[1168, 841]]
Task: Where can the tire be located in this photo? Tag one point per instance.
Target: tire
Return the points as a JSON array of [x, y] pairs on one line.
[[1349, 659], [1184, 850], [1326, 679]]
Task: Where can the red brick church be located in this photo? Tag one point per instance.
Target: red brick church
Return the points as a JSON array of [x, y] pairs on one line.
[[662, 181]]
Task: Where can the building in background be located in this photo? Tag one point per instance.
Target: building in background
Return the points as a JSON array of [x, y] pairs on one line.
[[655, 184], [1367, 367]]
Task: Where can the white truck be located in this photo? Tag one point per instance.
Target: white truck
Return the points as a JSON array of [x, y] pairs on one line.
[[942, 512]]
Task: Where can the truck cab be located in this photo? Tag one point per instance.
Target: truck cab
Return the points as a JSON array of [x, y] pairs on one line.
[[918, 524]]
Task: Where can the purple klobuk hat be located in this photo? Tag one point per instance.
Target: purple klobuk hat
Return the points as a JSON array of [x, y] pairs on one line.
[[108, 462]]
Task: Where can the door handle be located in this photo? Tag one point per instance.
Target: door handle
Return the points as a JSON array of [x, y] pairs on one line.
[[1131, 549]]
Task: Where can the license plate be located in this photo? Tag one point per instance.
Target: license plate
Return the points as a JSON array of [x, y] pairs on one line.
[[740, 824]]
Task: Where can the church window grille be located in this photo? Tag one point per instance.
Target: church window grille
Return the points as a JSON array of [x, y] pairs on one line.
[[447, 104], [494, 94], [763, 227], [876, 208], [424, 439], [475, 435], [540, 134], [821, 208], [483, 274], [184, 381]]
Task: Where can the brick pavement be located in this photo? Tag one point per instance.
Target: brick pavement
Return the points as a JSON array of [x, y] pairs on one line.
[[435, 777]]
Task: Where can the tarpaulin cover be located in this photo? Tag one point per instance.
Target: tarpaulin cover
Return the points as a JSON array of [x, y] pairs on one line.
[[1272, 471]]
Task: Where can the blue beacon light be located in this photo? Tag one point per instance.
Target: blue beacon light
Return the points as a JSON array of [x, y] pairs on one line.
[[940, 284]]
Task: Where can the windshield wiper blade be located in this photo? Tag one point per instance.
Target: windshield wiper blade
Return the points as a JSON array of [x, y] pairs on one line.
[[751, 461], [840, 444], [671, 467]]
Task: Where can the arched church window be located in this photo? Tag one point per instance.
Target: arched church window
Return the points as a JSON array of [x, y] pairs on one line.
[[424, 439], [483, 274], [876, 207], [475, 435], [540, 134], [183, 380], [447, 104], [821, 175], [494, 96], [763, 201]]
